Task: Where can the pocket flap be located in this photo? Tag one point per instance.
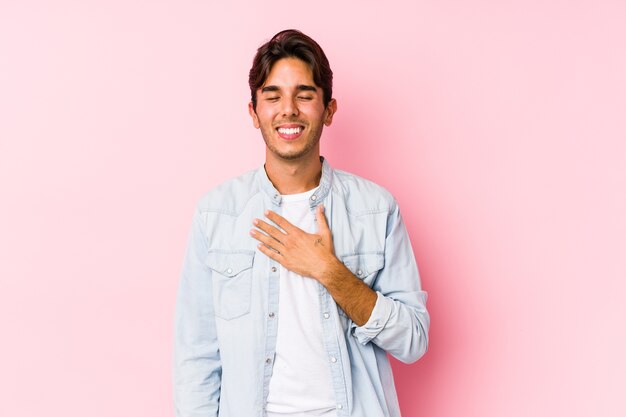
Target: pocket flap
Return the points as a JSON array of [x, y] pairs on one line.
[[229, 263], [364, 264]]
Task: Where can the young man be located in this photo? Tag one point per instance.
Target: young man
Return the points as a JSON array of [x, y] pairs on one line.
[[298, 278]]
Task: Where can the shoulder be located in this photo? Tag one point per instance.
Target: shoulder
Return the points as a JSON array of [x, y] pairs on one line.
[[231, 196], [362, 195]]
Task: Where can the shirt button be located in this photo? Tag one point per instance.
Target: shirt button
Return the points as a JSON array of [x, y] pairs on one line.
[[272, 315], [359, 272], [268, 361], [313, 197], [273, 269], [229, 271], [339, 406], [326, 315], [333, 359]]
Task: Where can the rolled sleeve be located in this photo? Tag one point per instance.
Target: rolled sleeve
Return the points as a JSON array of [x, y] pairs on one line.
[[377, 321]]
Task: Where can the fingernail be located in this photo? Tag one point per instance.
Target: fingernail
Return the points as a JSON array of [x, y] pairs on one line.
[[267, 212], [255, 222]]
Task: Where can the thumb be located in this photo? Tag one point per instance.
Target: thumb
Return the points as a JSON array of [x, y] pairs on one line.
[[321, 220]]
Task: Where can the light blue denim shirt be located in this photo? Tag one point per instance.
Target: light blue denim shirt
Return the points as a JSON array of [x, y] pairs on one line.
[[227, 303]]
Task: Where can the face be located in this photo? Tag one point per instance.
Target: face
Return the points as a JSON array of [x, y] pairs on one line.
[[290, 111]]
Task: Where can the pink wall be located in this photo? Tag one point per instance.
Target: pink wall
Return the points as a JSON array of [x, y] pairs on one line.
[[500, 127]]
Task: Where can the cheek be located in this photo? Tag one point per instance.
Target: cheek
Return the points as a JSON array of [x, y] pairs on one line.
[[261, 119], [264, 116]]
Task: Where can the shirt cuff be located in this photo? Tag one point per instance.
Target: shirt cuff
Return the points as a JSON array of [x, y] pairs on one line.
[[377, 321]]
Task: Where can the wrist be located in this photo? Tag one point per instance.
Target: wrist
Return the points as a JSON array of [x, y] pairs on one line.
[[328, 269]]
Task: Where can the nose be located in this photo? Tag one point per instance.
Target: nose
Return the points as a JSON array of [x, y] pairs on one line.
[[290, 107]]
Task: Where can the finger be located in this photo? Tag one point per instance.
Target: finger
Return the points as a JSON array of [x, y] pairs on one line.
[[269, 229], [270, 253], [265, 239], [280, 221], [321, 220]]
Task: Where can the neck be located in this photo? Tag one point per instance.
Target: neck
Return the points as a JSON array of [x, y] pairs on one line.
[[293, 177]]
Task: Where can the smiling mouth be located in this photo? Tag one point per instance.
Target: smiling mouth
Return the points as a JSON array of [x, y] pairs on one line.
[[290, 132]]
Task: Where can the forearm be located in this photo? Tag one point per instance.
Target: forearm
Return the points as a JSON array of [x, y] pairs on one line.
[[354, 297], [397, 320], [399, 326]]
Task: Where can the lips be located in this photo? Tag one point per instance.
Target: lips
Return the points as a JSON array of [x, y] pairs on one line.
[[290, 131]]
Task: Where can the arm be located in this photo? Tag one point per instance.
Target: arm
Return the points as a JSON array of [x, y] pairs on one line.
[[392, 314], [399, 322], [197, 367], [313, 255], [354, 297]]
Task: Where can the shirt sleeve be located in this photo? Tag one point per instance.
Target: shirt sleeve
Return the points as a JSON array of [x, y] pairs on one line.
[[399, 322], [197, 366]]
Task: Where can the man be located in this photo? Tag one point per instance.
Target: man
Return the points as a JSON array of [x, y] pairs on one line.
[[298, 279]]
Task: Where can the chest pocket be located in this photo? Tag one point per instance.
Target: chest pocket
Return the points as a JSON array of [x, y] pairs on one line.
[[232, 282], [364, 266]]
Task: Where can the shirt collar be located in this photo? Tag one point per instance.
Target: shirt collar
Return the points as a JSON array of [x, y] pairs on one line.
[[318, 196]]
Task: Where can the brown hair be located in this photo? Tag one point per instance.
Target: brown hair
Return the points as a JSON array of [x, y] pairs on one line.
[[291, 43]]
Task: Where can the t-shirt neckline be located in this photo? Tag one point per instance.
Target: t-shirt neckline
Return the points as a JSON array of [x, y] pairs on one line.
[[288, 198]]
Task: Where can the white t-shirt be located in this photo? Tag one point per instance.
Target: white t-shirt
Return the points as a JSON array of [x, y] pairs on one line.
[[301, 384]]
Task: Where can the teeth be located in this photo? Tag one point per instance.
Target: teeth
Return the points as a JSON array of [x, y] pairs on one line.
[[290, 130]]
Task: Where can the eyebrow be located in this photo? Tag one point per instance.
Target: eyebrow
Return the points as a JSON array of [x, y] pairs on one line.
[[303, 87], [300, 87]]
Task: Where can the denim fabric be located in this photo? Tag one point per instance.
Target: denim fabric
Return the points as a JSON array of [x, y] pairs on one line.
[[227, 303]]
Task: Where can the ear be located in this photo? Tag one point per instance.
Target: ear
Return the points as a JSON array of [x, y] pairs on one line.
[[255, 118], [331, 109]]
